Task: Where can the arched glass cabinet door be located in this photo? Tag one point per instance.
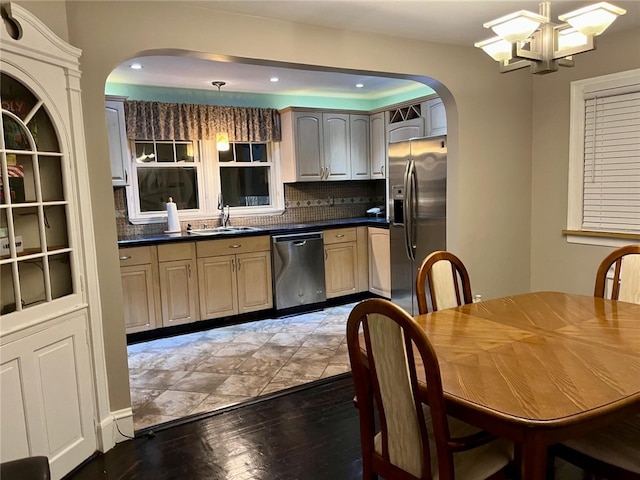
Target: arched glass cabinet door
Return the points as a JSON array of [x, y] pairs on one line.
[[36, 256]]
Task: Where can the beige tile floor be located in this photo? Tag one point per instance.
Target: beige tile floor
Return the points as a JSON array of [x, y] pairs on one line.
[[204, 371]]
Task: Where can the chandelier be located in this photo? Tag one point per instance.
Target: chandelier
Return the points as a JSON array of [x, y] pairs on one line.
[[527, 39]]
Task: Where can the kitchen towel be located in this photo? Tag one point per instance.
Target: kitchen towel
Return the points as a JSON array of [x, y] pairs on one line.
[[173, 224]]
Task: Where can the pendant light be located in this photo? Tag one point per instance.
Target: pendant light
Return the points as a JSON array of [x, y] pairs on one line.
[[222, 138]]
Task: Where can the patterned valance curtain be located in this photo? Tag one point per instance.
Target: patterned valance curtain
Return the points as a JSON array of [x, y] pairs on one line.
[[180, 121]]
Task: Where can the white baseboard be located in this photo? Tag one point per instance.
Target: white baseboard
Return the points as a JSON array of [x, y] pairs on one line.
[[116, 428]]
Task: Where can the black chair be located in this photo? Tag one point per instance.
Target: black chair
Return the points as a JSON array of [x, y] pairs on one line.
[[29, 468]]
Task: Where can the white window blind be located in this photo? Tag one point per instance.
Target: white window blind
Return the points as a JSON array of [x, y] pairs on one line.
[[611, 188]]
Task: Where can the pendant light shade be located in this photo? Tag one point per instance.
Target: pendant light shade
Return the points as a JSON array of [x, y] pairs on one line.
[[222, 141], [222, 138]]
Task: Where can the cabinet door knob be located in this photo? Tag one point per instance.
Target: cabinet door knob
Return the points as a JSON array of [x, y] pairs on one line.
[[326, 255], [239, 264], [233, 265], [125, 257]]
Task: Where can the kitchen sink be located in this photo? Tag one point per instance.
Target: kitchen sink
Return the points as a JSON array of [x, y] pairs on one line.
[[222, 230]]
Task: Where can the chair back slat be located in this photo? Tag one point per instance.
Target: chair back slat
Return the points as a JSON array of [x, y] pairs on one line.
[[626, 275], [401, 437], [442, 282], [444, 285], [629, 290]]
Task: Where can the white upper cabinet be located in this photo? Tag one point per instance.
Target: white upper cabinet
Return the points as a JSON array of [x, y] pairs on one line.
[[360, 147], [337, 151], [436, 117], [378, 158], [302, 146], [318, 146], [401, 131], [118, 145]]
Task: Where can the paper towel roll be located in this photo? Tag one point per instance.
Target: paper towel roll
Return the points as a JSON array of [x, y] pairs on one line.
[[173, 224]]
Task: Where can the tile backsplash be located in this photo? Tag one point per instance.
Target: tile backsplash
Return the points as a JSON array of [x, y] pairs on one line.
[[304, 202]]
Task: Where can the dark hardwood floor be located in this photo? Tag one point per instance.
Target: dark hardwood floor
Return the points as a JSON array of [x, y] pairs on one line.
[[308, 432]]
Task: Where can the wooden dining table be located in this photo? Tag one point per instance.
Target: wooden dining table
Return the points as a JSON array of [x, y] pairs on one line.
[[538, 368]]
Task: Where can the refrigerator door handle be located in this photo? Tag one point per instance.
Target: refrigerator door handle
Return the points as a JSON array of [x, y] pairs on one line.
[[413, 206], [407, 211]]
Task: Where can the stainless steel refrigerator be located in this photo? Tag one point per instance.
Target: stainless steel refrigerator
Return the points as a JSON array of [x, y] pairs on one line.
[[417, 211]]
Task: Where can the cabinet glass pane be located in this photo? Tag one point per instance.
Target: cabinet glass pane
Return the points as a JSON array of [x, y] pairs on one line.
[[21, 178], [43, 132], [7, 294], [56, 227], [51, 178], [60, 272], [16, 98], [35, 202], [15, 135], [26, 224], [32, 285]]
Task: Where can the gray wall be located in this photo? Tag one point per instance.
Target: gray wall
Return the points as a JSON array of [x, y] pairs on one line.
[[508, 135], [556, 264]]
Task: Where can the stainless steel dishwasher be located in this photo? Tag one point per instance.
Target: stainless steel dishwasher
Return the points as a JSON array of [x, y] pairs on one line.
[[298, 269]]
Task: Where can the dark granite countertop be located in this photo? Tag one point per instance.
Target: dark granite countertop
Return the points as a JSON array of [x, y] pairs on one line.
[[153, 239]]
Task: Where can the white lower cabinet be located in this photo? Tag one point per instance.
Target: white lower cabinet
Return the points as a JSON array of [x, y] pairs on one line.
[[46, 401]]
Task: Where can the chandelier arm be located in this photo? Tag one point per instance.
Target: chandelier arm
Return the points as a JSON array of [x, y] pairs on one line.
[[510, 65], [568, 51]]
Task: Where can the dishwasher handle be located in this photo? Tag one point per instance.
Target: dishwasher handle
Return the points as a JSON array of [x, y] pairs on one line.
[[297, 237], [299, 243]]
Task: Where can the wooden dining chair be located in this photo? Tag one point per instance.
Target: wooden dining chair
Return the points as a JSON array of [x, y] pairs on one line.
[[413, 441], [626, 275], [612, 452], [445, 279]]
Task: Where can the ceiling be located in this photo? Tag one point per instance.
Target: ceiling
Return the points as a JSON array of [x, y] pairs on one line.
[[453, 22]]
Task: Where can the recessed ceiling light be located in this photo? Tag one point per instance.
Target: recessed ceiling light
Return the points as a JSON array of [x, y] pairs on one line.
[[359, 85], [274, 79], [135, 66]]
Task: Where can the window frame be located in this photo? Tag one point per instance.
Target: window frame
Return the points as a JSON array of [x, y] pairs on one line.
[[575, 205], [209, 185], [138, 217], [276, 189]]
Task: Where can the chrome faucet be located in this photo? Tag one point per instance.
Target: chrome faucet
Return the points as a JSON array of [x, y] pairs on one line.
[[224, 216], [224, 211]]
